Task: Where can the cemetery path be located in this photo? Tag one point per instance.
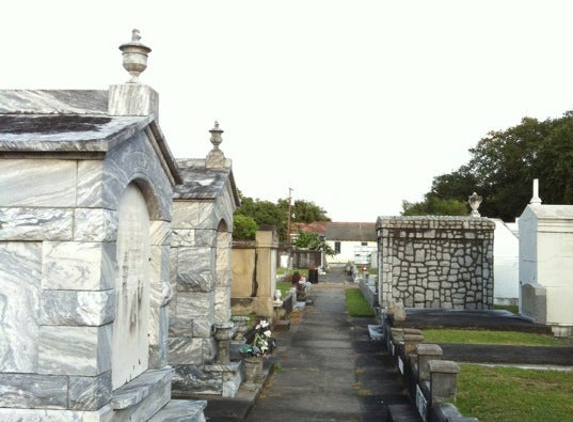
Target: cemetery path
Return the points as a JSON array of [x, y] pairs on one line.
[[330, 370]]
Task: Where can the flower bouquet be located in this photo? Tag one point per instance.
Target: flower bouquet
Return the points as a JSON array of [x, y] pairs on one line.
[[262, 344]]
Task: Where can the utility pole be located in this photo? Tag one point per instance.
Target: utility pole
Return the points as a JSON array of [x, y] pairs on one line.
[[288, 216]]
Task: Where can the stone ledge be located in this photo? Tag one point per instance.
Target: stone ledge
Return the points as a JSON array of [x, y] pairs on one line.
[[181, 411], [135, 391]]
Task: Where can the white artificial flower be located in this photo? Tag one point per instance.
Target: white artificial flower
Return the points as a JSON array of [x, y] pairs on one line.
[[264, 324], [267, 333]]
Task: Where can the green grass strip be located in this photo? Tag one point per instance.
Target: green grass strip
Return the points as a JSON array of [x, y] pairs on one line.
[[492, 337], [502, 394], [356, 304]]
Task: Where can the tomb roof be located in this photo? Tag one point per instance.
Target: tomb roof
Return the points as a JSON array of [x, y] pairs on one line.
[[561, 212], [202, 182], [65, 132]]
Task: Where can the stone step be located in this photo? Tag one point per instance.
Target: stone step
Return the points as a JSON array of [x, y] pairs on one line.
[[181, 411], [403, 413]]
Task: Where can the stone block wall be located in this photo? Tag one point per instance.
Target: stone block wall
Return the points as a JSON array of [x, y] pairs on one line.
[[254, 275], [436, 262]]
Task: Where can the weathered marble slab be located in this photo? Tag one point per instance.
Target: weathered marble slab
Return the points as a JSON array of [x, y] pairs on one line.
[[179, 327], [160, 232], [153, 386], [78, 266], [83, 351], [160, 263], [185, 350], [194, 304], [195, 269], [54, 101], [90, 186], [143, 100], [181, 410], [36, 223], [19, 305], [67, 134], [95, 225], [41, 415], [77, 308], [33, 391], [89, 393], [38, 183]]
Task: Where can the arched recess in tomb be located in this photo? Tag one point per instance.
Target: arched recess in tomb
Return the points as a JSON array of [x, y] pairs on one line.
[[134, 256], [223, 275]]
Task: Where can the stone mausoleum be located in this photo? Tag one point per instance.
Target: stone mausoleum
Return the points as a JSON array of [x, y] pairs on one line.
[[436, 262], [546, 264], [199, 326], [86, 193]]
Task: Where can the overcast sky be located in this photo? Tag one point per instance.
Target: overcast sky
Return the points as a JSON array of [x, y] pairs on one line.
[[355, 105]]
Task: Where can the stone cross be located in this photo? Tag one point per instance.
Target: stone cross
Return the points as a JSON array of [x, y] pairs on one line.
[[535, 199]]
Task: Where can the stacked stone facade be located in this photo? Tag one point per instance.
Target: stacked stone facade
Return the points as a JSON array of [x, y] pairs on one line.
[[201, 276], [436, 262]]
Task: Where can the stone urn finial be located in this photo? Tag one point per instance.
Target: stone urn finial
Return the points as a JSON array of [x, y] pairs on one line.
[[474, 201], [216, 136], [134, 56], [216, 158]]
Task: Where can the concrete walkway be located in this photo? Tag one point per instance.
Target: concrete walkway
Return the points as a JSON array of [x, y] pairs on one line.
[[329, 369]]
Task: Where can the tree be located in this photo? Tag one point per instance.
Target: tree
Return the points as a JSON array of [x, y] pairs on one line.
[[502, 167], [266, 213], [433, 205], [244, 227]]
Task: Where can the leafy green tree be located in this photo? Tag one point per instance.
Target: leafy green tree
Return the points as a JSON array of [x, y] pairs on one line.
[[270, 214], [244, 227], [433, 205], [502, 167]]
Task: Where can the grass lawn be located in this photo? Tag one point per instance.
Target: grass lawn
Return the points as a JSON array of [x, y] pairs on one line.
[[356, 304], [492, 337], [501, 394]]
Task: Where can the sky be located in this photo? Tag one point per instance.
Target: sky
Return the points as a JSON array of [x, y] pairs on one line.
[[354, 105]]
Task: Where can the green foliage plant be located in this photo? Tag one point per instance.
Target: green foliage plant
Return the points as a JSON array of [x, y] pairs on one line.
[[312, 241]]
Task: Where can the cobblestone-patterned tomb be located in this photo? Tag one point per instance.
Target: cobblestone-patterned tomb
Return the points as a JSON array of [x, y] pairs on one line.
[[436, 262], [86, 184]]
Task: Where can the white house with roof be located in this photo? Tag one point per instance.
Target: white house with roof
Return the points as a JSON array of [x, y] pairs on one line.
[[354, 242]]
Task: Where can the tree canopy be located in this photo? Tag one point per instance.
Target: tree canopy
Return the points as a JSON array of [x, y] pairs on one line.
[[502, 168], [276, 214]]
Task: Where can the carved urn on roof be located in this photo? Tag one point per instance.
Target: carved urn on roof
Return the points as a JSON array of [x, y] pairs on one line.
[[135, 56]]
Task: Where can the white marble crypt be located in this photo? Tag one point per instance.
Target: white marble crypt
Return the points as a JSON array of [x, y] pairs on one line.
[[86, 186], [203, 207]]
